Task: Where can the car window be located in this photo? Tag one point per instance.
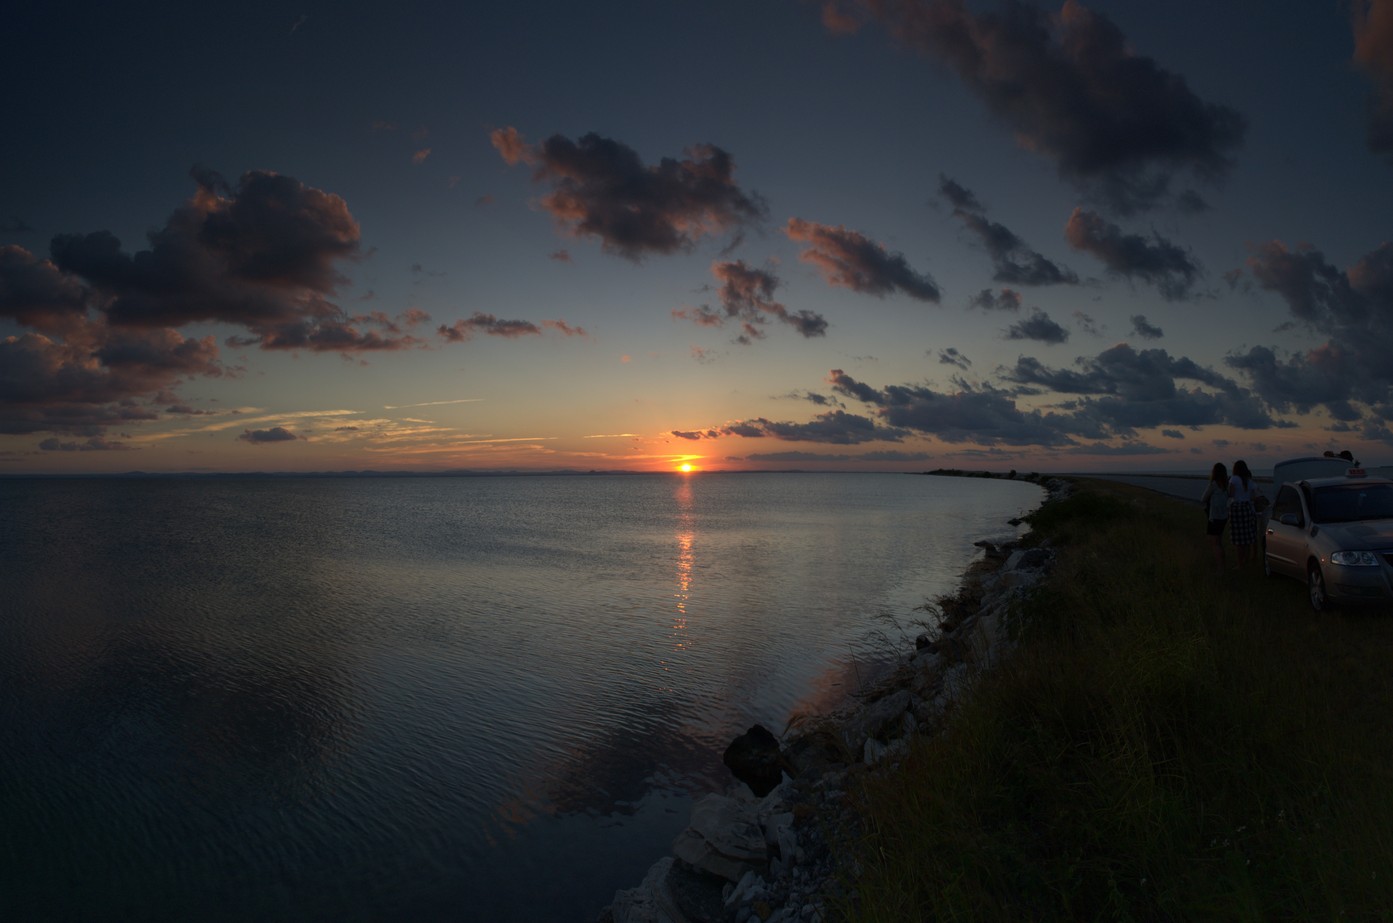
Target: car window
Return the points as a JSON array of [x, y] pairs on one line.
[[1288, 501], [1352, 502]]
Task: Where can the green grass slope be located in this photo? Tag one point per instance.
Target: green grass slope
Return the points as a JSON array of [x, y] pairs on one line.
[[1166, 744]]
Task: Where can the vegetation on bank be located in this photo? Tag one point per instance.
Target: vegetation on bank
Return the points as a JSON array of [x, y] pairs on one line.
[[1165, 744]]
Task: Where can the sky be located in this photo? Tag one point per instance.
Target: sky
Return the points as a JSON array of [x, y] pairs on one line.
[[745, 235]]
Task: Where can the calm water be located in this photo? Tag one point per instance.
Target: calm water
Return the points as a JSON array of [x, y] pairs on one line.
[[444, 698]]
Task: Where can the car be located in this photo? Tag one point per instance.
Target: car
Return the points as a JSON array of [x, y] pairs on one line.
[[1336, 535]]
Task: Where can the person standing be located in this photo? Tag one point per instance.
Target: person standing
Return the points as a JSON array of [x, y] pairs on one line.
[[1243, 517], [1215, 500]]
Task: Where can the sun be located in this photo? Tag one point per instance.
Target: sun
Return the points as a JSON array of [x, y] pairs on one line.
[[685, 468]]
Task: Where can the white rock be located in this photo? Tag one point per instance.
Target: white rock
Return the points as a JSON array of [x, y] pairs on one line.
[[640, 905]]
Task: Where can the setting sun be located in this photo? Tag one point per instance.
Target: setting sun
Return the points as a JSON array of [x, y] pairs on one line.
[[685, 468]]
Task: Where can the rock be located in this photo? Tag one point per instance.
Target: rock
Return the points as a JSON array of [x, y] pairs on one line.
[[877, 720], [724, 839], [779, 832], [754, 759], [689, 896], [640, 905], [749, 889], [815, 753]]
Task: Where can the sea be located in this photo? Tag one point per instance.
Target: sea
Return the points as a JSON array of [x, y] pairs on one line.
[[424, 698]]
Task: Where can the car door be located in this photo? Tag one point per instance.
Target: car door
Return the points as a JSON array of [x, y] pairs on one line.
[[1286, 533]]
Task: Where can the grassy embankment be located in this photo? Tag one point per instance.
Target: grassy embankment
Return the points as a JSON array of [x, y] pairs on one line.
[[1166, 744]]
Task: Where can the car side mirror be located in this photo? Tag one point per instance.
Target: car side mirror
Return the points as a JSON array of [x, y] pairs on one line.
[[1290, 519]]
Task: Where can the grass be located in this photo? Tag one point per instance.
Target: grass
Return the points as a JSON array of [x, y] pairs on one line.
[[1165, 744]]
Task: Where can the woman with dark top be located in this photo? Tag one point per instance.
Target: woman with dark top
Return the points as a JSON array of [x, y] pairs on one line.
[[1216, 503]]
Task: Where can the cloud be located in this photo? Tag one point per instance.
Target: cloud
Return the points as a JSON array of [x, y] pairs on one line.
[[1088, 324], [1125, 389], [951, 356], [267, 436], [92, 444], [1156, 261], [600, 187], [1071, 87], [560, 256], [851, 260], [1040, 327], [1144, 329], [263, 256], [986, 416], [747, 297], [840, 458], [565, 329], [1352, 308], [479, 322], [94, 377], [1373, 53], [511, 146], [835, 427], [37, 294], [1015, 263], [1005, 300], [420, 156]]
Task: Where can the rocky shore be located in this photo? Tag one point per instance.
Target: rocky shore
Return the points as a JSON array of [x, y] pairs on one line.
[[771, 848]]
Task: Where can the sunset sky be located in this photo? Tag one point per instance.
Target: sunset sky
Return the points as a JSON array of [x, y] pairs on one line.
[[742, 234]]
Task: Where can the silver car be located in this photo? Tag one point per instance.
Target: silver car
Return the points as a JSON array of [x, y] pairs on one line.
[[1337, 535]]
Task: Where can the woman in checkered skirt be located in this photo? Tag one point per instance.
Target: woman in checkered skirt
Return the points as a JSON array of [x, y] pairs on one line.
[[1243, 519]]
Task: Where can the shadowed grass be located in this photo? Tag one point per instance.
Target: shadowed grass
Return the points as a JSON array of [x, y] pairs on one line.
[[1166, 744]]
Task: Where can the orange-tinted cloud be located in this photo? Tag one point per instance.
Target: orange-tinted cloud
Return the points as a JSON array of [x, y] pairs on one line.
[[851, 260], [1373, 52]]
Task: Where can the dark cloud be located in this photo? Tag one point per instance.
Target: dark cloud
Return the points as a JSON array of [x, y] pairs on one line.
[[1125, 389], [958, 196], [600, 187], [835, 427], [747, 298], [1352, 308], [1071, 87], [263, 256], [1039, 327], [37, 294], [1015, 263], [267, 436], [15, 225], [95, 377], [986, 416], [1172, 434], [951, 356], [1144, 329], [1005, 300], [1373, 53], [851, 260], [1156, 261], [841, 458], [479, 322]]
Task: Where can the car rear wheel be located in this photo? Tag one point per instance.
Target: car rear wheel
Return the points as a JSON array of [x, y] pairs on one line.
[[1315, 585]]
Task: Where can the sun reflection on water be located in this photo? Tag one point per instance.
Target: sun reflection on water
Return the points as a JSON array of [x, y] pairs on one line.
[[686, 561]]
